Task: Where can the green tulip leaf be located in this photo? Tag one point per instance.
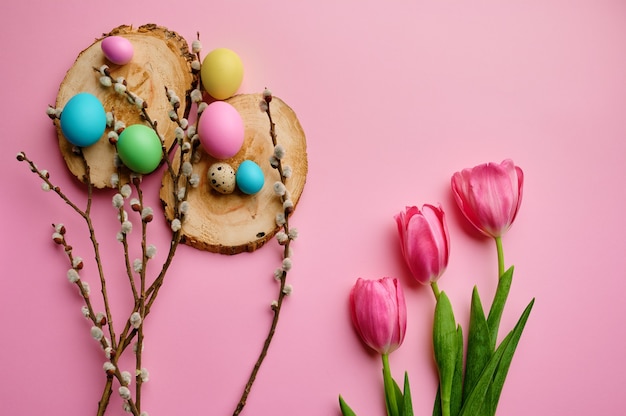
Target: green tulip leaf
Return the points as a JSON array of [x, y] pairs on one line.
[[445, 347], [456, 397], [487, 408], [399, 398], [345, 409], [391, 389], [478, 349], [437, 406], [507, 357], [407, 404], [500, 362], [497, 306], [473, 404]]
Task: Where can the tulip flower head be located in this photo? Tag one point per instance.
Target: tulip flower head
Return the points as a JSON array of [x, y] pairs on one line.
[[378, 312], [489, 195], [424, 241]]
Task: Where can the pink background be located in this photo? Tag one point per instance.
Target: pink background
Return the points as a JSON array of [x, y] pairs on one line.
[[394, 98]]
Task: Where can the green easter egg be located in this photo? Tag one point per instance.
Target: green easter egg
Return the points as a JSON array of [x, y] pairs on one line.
[[139, 148]]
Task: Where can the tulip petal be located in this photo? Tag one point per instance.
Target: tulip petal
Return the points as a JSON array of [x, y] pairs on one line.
[[400, 328], [378, 312], [441, 238], [489, 195], [493, 198], [426, 248]]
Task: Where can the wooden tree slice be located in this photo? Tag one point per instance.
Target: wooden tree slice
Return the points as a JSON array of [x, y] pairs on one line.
[[161, 59], [235, 223]]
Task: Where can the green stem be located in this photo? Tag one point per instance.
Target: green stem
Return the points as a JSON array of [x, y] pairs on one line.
[[435, 289], [390, 394], [500, 256]]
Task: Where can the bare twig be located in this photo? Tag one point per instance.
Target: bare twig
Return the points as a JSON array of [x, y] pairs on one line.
[[282, 277]]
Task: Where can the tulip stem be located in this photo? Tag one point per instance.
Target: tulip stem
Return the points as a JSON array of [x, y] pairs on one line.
[[436, 290], [500, 256], [390, 393]]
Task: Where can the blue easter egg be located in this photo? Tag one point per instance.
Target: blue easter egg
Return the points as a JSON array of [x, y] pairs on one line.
[[249, 177], [83, 120]]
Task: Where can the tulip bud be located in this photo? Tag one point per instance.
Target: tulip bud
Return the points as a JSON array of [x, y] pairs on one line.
[[424, 242], [489, 195], [378, 312]]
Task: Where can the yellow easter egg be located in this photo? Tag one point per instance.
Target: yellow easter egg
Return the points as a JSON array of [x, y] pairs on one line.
[[221, 73]]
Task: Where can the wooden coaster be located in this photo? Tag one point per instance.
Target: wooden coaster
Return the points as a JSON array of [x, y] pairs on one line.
[[161, 59], [227, 224], [235, 223]]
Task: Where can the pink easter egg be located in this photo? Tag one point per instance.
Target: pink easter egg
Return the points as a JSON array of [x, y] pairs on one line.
[[117, 49], [221, 130]]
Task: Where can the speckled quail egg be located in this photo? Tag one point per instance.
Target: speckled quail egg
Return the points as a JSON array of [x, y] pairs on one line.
[[221, 176]]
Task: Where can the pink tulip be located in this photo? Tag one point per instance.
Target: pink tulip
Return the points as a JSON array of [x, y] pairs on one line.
[[424, 241], [378, 312], [489, 195]]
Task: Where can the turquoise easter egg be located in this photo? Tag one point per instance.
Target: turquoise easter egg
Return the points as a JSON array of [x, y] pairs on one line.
[[83, 120], [139, 148], [249, 177]]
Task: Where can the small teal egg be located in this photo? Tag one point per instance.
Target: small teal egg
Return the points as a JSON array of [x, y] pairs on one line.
[[139, 148], [249, 177], [83, 120]]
